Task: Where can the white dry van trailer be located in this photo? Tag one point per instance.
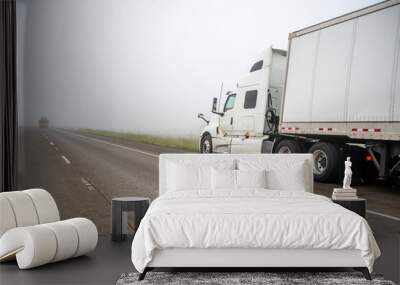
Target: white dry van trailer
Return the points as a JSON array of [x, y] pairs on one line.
[[336, 92]]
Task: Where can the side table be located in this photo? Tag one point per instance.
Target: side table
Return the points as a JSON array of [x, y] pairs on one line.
[[119, 214], [357, 205]]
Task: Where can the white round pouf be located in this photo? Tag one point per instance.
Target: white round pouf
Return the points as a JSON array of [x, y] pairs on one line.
[[45, 206], [7, 216], [31, 233], [33, 246], [52, 242], [67, 240], [87, 233], [23, 208]]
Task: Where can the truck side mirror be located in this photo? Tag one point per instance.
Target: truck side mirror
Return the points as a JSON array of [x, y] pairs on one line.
[[214, 105], [201, 116]]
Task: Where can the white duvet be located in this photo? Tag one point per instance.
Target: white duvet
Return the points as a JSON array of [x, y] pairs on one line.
[[250, 219]]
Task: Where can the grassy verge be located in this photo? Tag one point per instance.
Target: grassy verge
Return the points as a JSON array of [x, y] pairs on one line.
[[181, 143]]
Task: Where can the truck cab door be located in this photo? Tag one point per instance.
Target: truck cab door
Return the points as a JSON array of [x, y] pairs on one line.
[[226, 121], [248, 120], [250, 113]]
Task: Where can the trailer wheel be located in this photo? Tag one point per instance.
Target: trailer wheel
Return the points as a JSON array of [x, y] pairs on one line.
[[325, 161], [206, 144], [288, 146]]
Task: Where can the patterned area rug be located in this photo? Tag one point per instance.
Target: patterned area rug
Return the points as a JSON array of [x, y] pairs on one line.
[[229, 278]]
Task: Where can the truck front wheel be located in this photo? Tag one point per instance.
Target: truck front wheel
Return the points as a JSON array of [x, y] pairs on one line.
[[326, 161], [206, 144]]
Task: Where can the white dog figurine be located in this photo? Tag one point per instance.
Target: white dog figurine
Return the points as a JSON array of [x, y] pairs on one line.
[[347, 174]]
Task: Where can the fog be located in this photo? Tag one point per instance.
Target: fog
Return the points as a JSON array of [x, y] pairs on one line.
[[146, 66]]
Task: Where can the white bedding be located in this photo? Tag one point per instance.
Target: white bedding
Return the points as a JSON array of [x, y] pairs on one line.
[[250, 219]]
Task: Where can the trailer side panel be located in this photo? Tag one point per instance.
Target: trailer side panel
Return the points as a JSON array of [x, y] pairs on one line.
[[344, 79]]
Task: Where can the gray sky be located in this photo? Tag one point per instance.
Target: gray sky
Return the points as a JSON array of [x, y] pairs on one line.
[[147, 66]]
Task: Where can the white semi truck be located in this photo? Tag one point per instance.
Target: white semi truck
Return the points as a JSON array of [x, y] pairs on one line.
[[336, 92]]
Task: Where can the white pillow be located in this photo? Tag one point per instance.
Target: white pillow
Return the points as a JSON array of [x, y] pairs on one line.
[[293, 178], [251, 178], [223, 179], [188, 175], [282, 173]]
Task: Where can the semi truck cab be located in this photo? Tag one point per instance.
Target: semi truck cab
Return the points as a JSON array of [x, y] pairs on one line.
[[248, 113]]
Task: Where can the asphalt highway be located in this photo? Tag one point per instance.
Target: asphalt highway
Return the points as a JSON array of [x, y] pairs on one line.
[[84, 172]]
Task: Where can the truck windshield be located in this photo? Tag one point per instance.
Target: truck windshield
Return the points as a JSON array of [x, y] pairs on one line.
[[257, 66], [230, 102]]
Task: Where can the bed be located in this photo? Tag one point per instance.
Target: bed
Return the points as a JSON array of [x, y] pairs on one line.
[[246, 211]]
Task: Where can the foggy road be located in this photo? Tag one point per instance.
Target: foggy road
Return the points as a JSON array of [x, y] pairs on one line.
[[84, 173]]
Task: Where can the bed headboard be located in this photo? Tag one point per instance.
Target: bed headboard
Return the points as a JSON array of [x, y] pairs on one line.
[[295, 157], [204, 158]]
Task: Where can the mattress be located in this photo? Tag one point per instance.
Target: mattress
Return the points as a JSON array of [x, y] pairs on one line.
[[250, 219]]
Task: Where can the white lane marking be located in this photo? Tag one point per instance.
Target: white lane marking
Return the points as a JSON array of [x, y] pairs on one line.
[[85, 181], [383, 215], [66, 159], [89, 186], [56, 148], [117, 145], [51, 143]]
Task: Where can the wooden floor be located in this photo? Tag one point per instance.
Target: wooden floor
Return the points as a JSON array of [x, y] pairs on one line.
[[110, 260]]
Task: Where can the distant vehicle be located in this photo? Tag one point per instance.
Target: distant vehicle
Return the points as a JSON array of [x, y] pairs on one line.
[[335, 93], [43, 122]]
